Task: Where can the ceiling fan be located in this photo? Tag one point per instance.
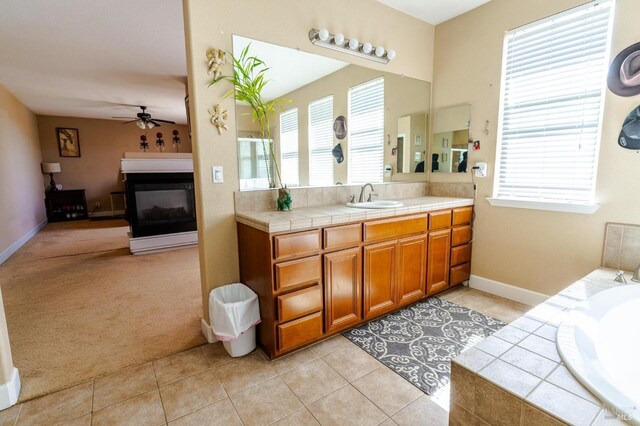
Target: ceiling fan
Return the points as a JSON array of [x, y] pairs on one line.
[[144, 120]]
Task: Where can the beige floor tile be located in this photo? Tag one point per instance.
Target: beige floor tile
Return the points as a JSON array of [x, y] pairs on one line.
[[388, 422], [180, 365], [58, 407], [313, 380], [122, 385], [508, 311], [187, 395], [8, 417], [272, 401], [80, 421], [454, 293], [216, 354], [293, 360], [346, 406], [387, 390], [352, 362], [477, 300], [220, 413], [422, 411], [244, 372], [145, 409], [330, 345], [302, 417]]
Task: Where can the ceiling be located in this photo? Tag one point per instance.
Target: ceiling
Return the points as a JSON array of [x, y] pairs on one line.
[[101, 59], [289, 69], [434, 11], [84, 58]]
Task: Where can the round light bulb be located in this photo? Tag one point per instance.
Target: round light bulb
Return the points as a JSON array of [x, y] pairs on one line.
[[367, 47], [379, 51], [323, 34], [338, 39], [391, 54], [354, 43]]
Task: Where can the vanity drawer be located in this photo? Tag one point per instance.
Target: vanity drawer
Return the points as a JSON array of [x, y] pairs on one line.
[[460, 254], [299, 303], [394, 228], [298, 272], [296, 245], [297, 333], [460, 235], [462, 215], [439, 220], [342, 236], [460, 274]]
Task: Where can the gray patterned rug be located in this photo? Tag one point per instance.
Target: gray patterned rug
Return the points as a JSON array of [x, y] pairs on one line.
[[420, 341]]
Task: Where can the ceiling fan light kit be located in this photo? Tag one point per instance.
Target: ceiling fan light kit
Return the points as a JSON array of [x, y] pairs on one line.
[[145, 121]]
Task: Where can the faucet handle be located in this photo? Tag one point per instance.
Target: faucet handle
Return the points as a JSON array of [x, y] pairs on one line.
[[371, 196], [353, 198], [620, 277]]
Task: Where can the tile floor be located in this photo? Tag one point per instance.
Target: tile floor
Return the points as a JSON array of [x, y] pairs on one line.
[[332, 382]]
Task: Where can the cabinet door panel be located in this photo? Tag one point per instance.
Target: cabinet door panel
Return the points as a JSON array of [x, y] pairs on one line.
[[343, 298], [379, 278], [438, 261], [412, 263], [460, 235]]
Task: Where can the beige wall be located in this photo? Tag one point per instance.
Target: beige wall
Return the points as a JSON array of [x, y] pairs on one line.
[[21, 188], [21, 191], [537, 250], [211, 23], [102, 143]]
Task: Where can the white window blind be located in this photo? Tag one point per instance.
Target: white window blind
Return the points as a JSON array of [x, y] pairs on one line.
[[289, 147], [554, 74], [366, 132], [321, 142]]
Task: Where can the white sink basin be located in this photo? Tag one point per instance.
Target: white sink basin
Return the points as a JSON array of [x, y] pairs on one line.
[[378, 204]]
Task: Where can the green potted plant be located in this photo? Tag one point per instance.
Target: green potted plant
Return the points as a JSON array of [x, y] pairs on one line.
[[249, 81]]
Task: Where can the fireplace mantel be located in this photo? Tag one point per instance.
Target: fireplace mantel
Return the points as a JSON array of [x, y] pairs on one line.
[[156, 162]]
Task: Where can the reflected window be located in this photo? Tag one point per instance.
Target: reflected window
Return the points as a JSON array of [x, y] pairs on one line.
[[253, 156], [366, 132], [321, 142], [289, 147]]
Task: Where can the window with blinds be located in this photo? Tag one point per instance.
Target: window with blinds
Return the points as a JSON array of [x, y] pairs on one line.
[[289, 147], [321, 142], [554, 76], [366, 132]]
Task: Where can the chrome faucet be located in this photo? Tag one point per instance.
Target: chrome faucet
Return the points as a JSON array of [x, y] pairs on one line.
[[636, 275], [362, 192]]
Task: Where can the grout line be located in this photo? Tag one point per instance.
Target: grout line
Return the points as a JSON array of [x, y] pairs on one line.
[[15, 421]]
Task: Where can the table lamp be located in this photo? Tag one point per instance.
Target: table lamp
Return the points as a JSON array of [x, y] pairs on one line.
[[51, 168]]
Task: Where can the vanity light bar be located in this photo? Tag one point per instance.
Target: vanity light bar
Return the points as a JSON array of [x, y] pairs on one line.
[[324, 38]]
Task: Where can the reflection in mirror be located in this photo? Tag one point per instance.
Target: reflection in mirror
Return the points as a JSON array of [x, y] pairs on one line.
[[449, 143], [377, 106]]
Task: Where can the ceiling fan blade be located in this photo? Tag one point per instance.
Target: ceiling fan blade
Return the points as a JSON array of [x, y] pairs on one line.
[[127, 122], [164, 121], [155, 123], [123, 117]]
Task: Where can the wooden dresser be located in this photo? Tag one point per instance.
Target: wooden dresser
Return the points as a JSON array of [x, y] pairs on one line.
[[317, 282]]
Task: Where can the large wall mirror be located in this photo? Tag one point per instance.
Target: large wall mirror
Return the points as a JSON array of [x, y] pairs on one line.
[[450, 140], [342, 123]]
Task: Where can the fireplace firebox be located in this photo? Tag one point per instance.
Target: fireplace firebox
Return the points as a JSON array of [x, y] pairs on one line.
[[160, 203]]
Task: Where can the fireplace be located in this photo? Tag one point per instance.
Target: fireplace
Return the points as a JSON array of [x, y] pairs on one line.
[[160, 203]]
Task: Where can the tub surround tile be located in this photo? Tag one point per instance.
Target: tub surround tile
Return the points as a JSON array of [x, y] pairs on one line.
[[563, 378], [562, 404], [528, 361], [496, 406], [531, 416], [474, 359], [494, 346], [511, 378], [541, 346], [511, 334]]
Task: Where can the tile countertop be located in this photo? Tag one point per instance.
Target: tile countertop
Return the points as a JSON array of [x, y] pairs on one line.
[[522, 358], [308, 217]]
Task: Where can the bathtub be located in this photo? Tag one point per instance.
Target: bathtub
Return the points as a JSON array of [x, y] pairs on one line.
[[599, 343]]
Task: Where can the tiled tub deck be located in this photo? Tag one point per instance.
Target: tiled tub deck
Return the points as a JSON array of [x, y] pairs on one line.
[[516, 376]]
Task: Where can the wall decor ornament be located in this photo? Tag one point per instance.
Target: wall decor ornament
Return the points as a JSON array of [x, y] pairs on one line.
[[68, 142], [215, 61], [629, 137], [144, 145], [176, 140], [159, 142], [219, 117], [624, 72]]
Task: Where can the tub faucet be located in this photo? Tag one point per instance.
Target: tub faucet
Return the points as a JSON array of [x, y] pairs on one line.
[[636, 275], [362, 192]]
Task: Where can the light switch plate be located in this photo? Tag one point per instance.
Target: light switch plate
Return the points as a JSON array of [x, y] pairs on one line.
[[218, 174]]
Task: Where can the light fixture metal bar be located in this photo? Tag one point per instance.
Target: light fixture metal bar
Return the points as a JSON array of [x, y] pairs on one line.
[[313, 37]]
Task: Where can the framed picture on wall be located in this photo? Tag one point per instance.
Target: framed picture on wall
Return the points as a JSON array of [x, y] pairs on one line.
[[68, 142]]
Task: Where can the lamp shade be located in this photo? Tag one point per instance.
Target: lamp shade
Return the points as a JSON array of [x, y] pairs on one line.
[[51, 168]]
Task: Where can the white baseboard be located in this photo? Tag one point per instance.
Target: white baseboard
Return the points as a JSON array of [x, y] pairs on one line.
[[6, 254], [106, 213], [528, 297], [207, 331], [9, 391], [164, 242]]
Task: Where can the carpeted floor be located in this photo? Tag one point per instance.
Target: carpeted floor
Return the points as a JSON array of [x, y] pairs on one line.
[[79, 305]]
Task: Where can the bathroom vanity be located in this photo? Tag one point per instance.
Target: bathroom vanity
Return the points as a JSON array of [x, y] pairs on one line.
[[316, 281]]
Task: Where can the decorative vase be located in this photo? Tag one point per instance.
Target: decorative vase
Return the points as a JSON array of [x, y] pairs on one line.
[[284, 199]]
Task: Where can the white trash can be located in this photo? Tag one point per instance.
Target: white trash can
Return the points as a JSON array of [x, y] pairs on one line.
[[234, 312]]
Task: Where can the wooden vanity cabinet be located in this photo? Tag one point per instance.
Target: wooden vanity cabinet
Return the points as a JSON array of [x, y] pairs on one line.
[[317, 282]]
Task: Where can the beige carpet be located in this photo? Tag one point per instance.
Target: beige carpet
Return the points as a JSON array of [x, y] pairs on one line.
[[79, 305]]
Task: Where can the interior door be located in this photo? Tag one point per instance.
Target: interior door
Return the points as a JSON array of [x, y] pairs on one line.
[[379, 290]]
